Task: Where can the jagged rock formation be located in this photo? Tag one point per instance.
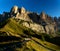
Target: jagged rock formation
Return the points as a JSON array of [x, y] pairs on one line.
[[43, 16], [42, 23], [34, 26], [57, 23], [14, 10], [21, 30]]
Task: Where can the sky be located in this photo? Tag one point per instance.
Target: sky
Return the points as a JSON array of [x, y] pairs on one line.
[[50, 7]]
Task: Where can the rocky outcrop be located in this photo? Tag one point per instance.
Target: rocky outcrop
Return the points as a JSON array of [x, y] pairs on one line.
[[34, 26], [41, 23], [50, 29], [14, 10], [57, 23], [43, 16]]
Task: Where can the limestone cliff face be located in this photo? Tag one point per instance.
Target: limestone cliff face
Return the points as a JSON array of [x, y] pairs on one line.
[[57, 23], [43, 16], [50, 29], [14, 10], [41, 23], [23, 14], [34, 26]]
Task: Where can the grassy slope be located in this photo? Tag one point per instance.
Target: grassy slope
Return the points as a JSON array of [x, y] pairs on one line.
[[14, 29]]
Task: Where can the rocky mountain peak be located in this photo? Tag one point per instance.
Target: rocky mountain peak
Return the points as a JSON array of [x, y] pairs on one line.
[[23, 10], [14, 9], [43, 15]]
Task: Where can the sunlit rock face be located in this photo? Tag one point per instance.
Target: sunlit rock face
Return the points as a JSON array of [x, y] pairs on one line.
[[23, 14], [34, 26], [14, 9], [43, 16], [50, 29], [23, 10]]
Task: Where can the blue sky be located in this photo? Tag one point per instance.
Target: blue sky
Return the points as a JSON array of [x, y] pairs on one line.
[[51, 7]]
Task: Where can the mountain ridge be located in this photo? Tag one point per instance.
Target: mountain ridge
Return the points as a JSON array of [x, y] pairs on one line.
[[27, 31], [43, 19]]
